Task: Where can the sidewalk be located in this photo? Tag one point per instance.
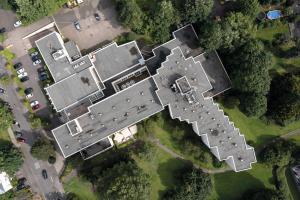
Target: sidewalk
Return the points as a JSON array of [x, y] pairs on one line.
[[12, 137]]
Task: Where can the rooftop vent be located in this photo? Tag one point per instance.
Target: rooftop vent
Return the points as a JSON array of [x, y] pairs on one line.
[[141, 61], [215, 132], [85, 80], [58, 54]]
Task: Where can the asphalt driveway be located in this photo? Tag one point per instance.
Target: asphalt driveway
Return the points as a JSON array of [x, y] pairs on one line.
[[92, 31]]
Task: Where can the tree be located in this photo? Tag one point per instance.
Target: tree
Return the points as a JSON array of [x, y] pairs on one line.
[[210, 37], [145, 150], [197, 10], [195, 185], [262, 194], [164, 16], [6, 116], [31, 11], [35, 121], [248, 7], [254, 104], [284, 98], [124, 181], [10, 158], [42, 149], [278, 153], [131, 15], [248, 67], [236, 28]]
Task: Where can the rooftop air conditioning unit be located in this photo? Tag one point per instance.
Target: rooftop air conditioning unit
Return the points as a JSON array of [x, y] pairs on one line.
[[58, 54], [141, 61]]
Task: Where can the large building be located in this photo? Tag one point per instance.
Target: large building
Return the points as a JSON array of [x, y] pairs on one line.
[[117, 86]]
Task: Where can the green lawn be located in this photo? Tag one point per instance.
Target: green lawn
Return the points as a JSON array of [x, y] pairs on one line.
[[255, 129], [296, 139], [269, 33], [231, 185], [4, 135], [81, 187], [165, 138], [162, 170]]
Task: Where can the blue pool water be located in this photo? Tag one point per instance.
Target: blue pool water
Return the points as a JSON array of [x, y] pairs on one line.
[[274, 14]]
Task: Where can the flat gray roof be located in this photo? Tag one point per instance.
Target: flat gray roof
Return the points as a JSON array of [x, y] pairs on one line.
[[72, 89], [114, 59], [62, 67], [179, 75], [110, 115]]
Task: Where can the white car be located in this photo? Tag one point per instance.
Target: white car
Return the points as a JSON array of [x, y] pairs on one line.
[[28, 96], [17, 24], [34, 54], [37, 62], [22, 75], [20, 71]]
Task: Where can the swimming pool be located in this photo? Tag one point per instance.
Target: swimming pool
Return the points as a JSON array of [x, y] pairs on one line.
[[274, 14]]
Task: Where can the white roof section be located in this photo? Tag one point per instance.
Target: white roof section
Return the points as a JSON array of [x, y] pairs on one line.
[[5, 184]]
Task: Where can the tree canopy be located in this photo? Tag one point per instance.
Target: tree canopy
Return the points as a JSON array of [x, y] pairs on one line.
[[124, 181], [248, 7], [42, 149], [164, 16], [262, 194], [6, 116], [277, 153], [284, 98], [210, 36], [254, 104], [32, 10], [131, 15], [195, 185], [10, 158], [197, 10]]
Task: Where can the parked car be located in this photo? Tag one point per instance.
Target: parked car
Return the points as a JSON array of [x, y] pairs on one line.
[[24, 79], [41, 69], [44, 174], [35, 105], [36, 62], [22, 75], [43, 76], [34, 54], [34, 58], [2, 91], [97, 16], [17, 24], [77, 25], [21, 140], [28, 93], [2, 30], [22, 180], [17, 66], [20, 71], [18, 134]]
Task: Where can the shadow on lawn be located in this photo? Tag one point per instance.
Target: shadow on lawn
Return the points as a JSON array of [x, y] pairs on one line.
[[170, 171], [232, 185]]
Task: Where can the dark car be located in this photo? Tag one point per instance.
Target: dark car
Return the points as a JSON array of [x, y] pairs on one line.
[[22, 180], [43, 76], [41, 69], [2, 91], [2, 30], [97, 16], [28, 91], [34, 58], [17, 66], [18, 134], [21, 140], [25, 78], [44, 174]]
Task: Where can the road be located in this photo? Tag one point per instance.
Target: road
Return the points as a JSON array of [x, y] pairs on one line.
[[31, 169]]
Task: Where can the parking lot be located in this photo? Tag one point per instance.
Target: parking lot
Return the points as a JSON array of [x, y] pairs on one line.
[[92, 32]]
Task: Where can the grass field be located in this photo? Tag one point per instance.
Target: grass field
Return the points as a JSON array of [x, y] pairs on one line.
[[162, 170], [4, 135], [255, 129], [165, 138], [232, 185], [82, 188]]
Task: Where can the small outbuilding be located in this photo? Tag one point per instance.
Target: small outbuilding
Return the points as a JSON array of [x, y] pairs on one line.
[[5, 184]]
